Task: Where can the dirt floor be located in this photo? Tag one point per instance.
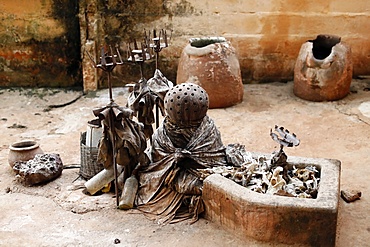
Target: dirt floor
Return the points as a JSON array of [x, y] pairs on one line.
[[59, 214]]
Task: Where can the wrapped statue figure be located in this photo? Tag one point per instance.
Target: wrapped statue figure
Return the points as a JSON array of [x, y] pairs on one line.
[[170, 187]]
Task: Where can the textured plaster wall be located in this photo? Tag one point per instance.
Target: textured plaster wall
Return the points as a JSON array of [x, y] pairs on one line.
[[266, 34], [39, 43], [43, 42]]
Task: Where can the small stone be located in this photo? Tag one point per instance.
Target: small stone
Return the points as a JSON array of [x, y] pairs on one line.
[[350, 195], [117, 241], [17, 126]]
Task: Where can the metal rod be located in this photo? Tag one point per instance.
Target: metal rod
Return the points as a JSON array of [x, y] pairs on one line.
[[142, 69], [156, 115], [119, 54], [113, 57], [113, 141], [112, 137], [110, 88], [156, 60]]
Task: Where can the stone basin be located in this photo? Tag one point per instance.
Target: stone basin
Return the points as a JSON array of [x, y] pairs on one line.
[[273, 218]]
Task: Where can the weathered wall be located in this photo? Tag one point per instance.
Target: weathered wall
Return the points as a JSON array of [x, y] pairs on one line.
[[266, 34], [39, 43], [117, 22]]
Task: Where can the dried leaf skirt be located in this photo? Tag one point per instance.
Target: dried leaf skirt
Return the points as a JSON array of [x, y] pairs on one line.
[[170, 187]]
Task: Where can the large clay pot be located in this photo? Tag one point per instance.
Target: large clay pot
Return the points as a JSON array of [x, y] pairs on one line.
[[212, 64], [323, 70], [23, 151]]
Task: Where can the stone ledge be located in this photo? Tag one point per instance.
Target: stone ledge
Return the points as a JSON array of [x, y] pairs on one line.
[[277, 219]]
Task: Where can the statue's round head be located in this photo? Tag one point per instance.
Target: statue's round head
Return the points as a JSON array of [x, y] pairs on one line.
[[186, 104]]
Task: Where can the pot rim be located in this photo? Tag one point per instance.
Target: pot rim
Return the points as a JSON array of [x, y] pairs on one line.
[[211, 40], [24, 145], [210, 46]]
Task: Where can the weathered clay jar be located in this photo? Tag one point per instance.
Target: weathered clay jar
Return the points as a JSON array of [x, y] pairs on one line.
[[23, 151], [323, 70], [212, 63]]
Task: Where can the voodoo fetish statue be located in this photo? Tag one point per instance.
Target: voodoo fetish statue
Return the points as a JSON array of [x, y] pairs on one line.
[[170, 187]]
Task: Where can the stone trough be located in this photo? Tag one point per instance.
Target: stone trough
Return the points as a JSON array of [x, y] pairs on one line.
[[273, 218]]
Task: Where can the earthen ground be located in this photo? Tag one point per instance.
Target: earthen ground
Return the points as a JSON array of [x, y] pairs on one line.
[[59, 214]]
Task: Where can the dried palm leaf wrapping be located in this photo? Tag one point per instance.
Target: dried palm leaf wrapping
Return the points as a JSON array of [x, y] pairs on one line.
[[159, 85], [130, 146], [170, 187], [141, 101], [145, 95]]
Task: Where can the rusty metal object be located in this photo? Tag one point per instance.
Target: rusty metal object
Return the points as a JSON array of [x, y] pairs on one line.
[[170, 187], [144, 97], [145, 51], [117, 127], [123, 141], [156, 42], [157, 47], [107, 63], [141, 101], [186, 104], [286, 138]]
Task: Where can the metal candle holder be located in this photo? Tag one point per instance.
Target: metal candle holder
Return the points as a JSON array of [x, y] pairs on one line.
[[156, 42]]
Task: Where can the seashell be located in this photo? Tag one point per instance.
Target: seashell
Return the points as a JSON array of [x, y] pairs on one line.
[[229, 168], [238, 176], [256, 188], [289, 188], [217, 169], [256, 174], [251, 167], [304, 174], [304, 195], [226, 174], [276, 177], [265, 179], [311, 184], [254, 181], [296, 182], [312, 168], [246, 179], [276, 187]]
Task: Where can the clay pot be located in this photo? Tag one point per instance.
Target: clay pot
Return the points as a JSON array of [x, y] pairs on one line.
[[212, 64], [323, 70], [23, 151]]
